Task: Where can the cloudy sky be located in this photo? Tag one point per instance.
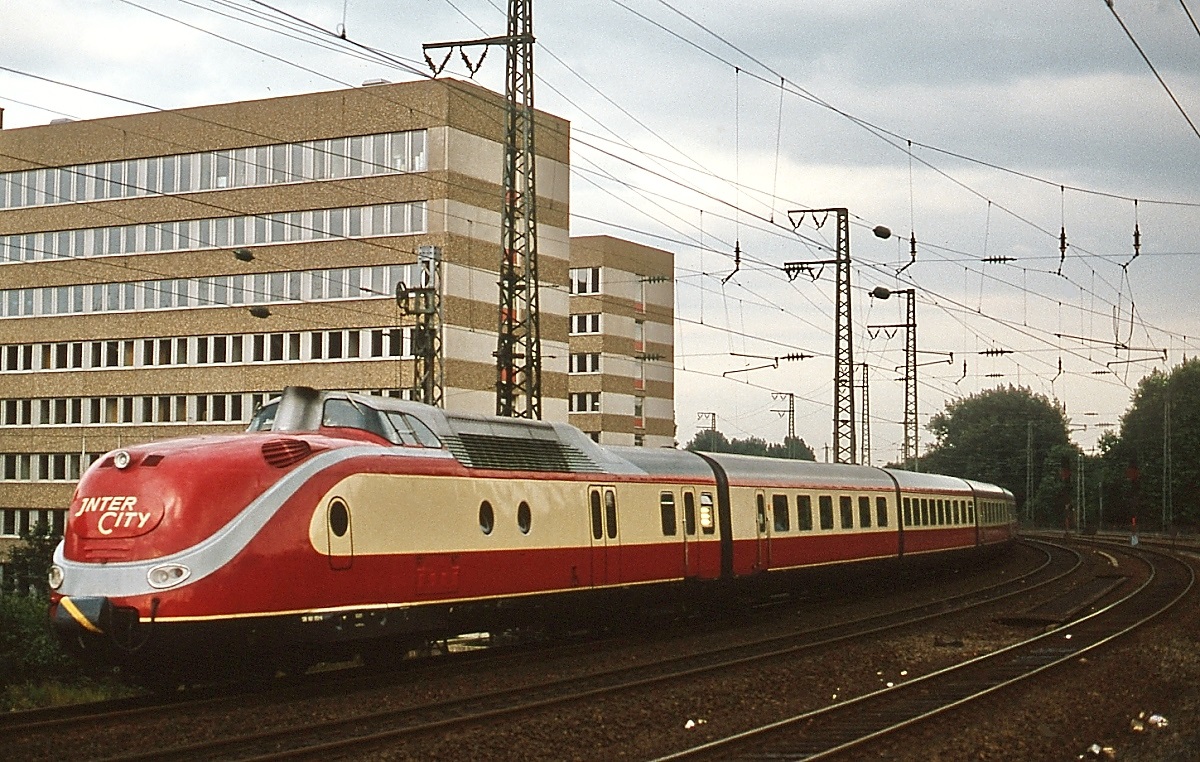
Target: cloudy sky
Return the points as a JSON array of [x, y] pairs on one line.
[[981, 129]]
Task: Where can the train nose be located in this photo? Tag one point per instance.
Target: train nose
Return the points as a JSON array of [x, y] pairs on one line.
[[82, 615]]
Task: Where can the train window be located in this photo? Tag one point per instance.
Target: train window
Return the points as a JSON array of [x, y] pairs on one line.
[[941, 512], [970, 512], [339, 517], [487, 517], [924, 512], [524, 517], [707, 523], [689, 513], [846, 508], [881, 511], [410, 430], [825, 505], [864, 511], [610, 512], [264, 419], [908, 518], [760, 501], [957, 516], [803, 513], [782, 513], [666, 505], [597, 519]]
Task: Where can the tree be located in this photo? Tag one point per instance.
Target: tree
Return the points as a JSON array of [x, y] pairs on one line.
[[1133, 459], [711, 440], [992, 436], [29, 563]]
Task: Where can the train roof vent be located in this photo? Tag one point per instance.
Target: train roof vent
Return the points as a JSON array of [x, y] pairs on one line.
[[151, 460], [518, 453]]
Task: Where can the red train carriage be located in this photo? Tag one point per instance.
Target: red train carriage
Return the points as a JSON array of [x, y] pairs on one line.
[[339, 520]]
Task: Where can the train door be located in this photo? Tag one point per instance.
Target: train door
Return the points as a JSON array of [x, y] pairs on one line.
[[339, 534], [691, 549], [763, 530], [606, 541]]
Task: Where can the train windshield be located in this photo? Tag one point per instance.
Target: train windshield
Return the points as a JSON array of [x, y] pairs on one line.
[[345, 413], [264, 419]]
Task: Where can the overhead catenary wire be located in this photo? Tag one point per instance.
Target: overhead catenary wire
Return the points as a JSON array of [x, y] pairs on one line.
[[736, 205]]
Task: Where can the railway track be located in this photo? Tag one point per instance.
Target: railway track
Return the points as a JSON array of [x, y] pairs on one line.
[[392, 726], [826, 732]]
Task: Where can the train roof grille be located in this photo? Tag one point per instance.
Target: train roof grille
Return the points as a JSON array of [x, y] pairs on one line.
[[518, 453]]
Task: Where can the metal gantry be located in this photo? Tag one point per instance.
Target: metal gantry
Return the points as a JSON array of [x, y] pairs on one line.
[[518, 334], [910, 382], [518, 340], [864, 438], [910, 369], [844, 441], [791, 418], [423, 301]]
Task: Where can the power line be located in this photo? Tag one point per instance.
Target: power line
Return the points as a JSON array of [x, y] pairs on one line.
[[1146, 58]]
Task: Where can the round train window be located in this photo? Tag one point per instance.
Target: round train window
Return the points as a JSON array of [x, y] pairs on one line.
[[339, 517], [524, 518], [487, 517]]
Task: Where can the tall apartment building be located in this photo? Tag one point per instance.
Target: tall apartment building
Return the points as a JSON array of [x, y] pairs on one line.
[[162, 274], [622, 382]]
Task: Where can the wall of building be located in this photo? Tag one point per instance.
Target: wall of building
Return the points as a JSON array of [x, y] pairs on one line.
[[630, 287], [122, 300]]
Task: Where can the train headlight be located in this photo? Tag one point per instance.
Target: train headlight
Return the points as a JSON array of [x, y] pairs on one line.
[[55, 577], [121, 459], [167, 575]]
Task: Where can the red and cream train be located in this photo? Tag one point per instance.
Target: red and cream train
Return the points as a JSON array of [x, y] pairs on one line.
[[341, 523]]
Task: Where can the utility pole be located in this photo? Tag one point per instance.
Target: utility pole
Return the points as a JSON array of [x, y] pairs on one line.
[[844, 439], [1029, 472], [712, 420], [910, 370], [1167, 497], [865, 426], [791, 414], [424, 302], [518, 336]]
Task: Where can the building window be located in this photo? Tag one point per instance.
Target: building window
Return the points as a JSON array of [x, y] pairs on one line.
[[585, 362], [193, 293], [585, 323], [585, 280], [585, 402], [357, 156], [639, 412], [187, 235]]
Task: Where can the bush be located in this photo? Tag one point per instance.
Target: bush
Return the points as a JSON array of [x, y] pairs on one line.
[[28, 649]]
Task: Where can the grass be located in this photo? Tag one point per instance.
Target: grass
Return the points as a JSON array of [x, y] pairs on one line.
[[35, 694]]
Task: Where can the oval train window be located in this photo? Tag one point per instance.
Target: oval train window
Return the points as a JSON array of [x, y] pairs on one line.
[[524, 518], [339, 517], [487, 517]]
